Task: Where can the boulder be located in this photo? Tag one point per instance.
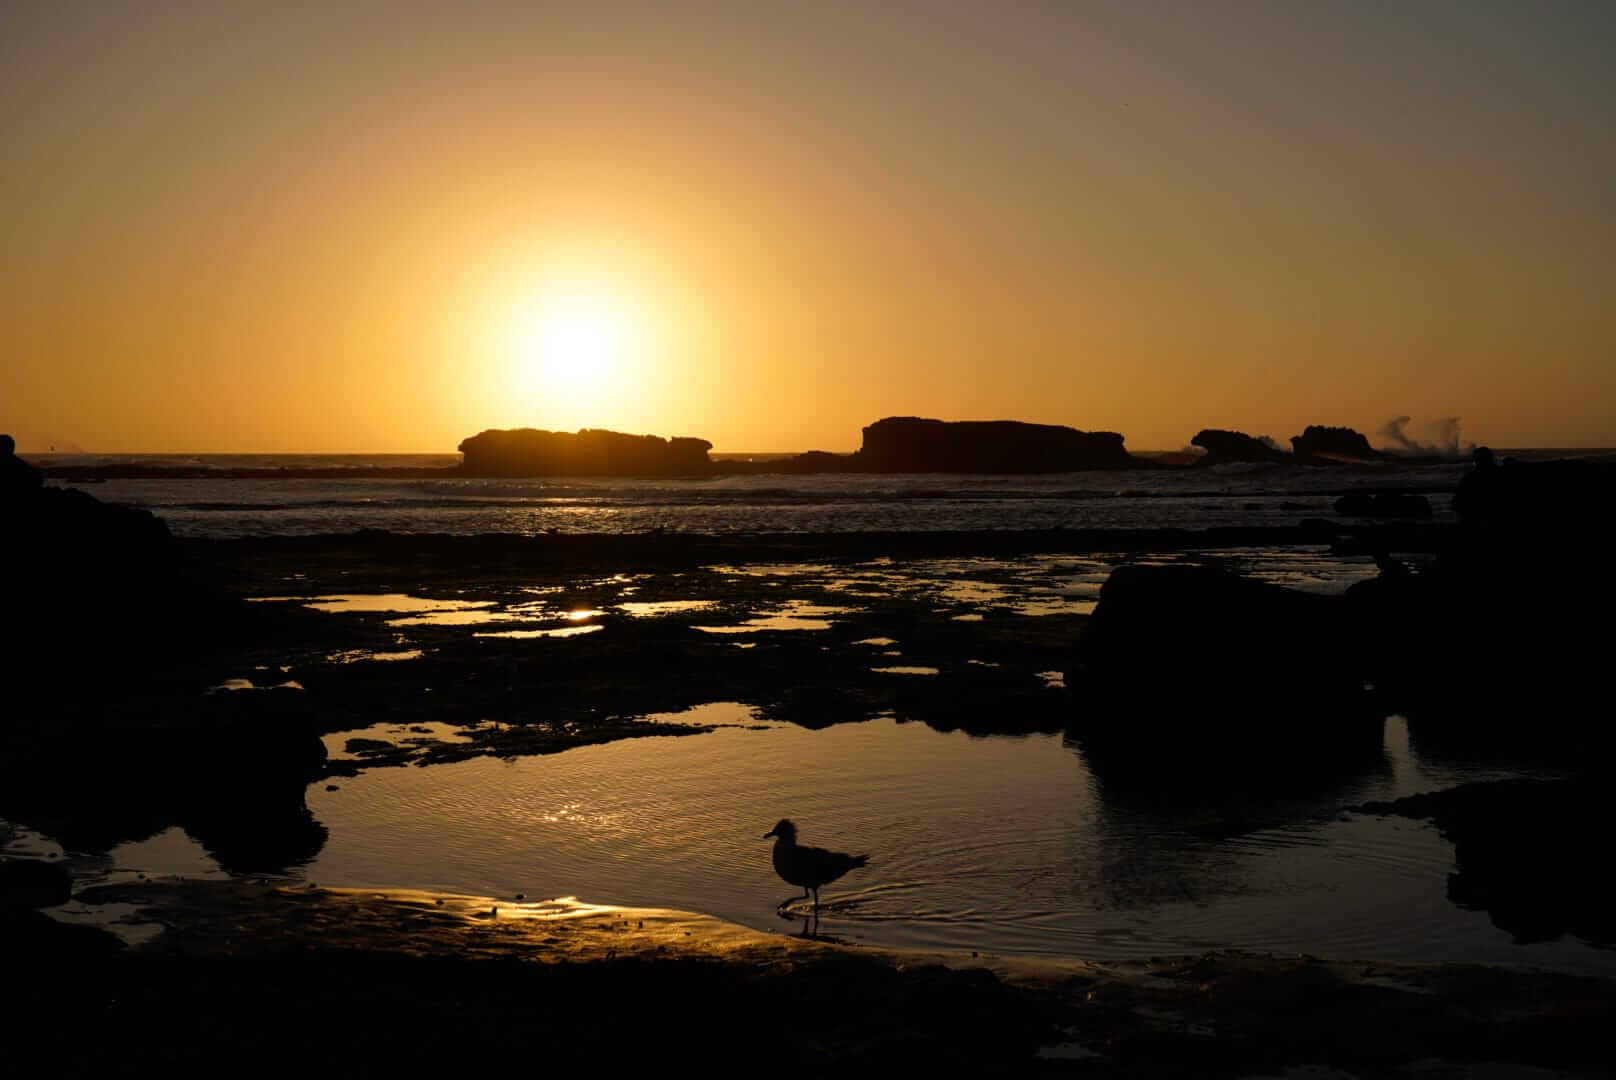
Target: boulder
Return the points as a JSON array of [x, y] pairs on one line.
[[1182, 666], [33, 883]]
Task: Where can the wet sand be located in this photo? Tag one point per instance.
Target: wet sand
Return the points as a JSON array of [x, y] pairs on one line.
[[254, 976]]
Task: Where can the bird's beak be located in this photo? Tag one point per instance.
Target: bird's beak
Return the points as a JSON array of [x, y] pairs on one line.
[[771, 832]]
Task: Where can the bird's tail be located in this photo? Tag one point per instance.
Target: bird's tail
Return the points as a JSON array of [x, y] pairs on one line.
[[860, 860]]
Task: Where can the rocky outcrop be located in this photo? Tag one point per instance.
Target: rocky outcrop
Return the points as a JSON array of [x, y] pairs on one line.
[[590, 452], [1182, 666], [1502, 627], [912, 444], [1225, 446], [1325, 445]]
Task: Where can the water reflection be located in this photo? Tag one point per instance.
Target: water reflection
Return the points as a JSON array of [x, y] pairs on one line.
[[994, 843]]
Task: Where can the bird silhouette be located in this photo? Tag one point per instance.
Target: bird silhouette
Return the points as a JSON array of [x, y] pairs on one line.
[[809, 867]]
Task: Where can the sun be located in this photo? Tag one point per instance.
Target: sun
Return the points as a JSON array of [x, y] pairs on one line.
[[579, 340]]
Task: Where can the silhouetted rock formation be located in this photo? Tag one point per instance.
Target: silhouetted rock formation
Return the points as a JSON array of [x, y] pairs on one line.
[[84, 581], [1385, 504], [590, 452], [1181, 666], [911, 444], [1493, 650], [1323, 445], [1222, 446], [108, 632]]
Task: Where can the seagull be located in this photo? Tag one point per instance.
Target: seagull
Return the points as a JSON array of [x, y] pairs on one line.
[[809, 867]]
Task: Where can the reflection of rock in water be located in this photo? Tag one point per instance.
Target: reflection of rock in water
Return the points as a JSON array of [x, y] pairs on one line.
[[1190, 681], [113, 635], [1533, 854], [229, 767]]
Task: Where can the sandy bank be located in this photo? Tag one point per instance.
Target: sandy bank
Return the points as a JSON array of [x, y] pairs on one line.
[[370, 981]]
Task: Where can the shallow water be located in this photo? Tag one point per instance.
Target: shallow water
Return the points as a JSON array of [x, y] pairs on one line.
[[1002, 844]]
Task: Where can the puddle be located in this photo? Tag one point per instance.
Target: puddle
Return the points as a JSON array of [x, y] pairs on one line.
[[906, 670], [559, 631], [641, 609], [387, 602], [350, 656], [796, 615], [232, 685]]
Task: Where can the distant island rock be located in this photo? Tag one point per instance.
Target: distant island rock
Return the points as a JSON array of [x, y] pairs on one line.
[[590, 452], [1224, 446], [897, 444], [1319, 444], [911, 444]]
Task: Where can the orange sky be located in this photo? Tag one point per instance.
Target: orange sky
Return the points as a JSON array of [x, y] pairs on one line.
[[291, 231]]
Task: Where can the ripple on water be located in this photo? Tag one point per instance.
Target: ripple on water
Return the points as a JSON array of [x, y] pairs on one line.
[[1001, 843]]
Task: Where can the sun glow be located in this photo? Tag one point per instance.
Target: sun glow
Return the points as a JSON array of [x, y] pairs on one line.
[[577, 344]]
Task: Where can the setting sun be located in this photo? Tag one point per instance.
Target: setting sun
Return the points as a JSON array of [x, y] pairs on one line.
[[578, 340]]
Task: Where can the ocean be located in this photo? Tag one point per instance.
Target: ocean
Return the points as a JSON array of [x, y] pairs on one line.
[[199, 505]]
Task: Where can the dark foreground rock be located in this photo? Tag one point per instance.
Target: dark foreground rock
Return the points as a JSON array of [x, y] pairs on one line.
[[1532, 854], [31, 883], [1498, 647], [408, 983], [1185, 672]]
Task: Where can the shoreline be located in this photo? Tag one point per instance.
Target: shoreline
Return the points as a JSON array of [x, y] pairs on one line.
[[404, 977]]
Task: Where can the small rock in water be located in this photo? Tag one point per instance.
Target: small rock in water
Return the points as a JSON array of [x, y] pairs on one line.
[[521, 896], [332, 787]]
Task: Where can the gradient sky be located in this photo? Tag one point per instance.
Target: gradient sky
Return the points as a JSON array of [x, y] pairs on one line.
[[289, 229]]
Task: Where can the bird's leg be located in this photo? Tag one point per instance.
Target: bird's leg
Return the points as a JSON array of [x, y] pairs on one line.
[[816, 900]]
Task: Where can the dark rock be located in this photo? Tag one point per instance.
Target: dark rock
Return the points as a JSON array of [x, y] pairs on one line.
[[33, 883], [1224, 446], [912, 444], [590, 452], [1323, 445], [1385, 504], [1499, 628], [1181, 666]]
